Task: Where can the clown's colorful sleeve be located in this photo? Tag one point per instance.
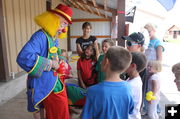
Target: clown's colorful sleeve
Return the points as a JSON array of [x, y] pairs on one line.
[[32, 57]]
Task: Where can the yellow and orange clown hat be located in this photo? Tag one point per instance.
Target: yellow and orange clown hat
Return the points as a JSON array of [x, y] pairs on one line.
[[50, 22]]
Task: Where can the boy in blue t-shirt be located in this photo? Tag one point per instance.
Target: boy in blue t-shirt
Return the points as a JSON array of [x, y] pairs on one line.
[[111, 99]]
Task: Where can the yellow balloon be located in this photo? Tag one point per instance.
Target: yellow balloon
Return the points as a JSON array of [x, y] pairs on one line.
[[149, 96]]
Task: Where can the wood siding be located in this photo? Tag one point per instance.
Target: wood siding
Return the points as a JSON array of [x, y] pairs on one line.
[[19, 25]]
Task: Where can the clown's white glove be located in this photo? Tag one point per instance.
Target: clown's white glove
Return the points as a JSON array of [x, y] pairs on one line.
[[52, 64], [55, 64]]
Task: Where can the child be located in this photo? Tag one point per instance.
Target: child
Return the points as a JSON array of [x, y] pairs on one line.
[[106, 44], [137, 65], [86, 67], [86, 39], [176, 71], [110, 99], [64, 55], [134, 42], [154, 67], [154, 51], [64, 59], [155, 47]]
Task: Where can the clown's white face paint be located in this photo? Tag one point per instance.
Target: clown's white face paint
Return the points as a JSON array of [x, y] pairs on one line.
[[63, 24]]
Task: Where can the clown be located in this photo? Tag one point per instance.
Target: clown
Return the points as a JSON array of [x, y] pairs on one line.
[[40, 60]]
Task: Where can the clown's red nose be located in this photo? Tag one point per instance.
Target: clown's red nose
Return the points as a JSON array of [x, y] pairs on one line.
[[63, 30]]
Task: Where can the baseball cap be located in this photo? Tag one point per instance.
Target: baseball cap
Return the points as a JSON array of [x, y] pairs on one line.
[[136, 37]]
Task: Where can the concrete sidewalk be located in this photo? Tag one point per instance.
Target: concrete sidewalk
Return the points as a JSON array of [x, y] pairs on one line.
[[16, 107]]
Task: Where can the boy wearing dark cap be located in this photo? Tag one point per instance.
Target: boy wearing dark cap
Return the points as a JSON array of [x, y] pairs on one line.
[[135, 42], [104, 100]]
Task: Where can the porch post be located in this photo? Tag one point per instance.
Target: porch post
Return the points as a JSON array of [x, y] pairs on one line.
[[3, 53], [121, 21]]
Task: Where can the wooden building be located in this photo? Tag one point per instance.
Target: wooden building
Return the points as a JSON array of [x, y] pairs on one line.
[[17, 25]]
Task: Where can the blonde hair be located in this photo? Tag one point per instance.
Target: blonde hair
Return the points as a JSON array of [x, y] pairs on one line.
[[50, 23], [109, 41], [156, 65], [176, 68], [150, 27]]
